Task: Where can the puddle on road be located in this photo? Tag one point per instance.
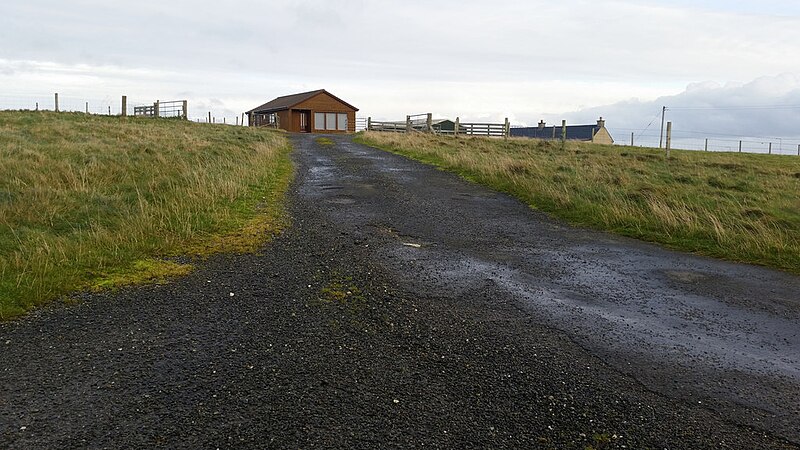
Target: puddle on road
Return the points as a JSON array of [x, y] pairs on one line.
[[685, 276], [341, 201]]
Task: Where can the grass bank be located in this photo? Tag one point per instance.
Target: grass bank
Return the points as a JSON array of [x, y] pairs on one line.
[[740, 207], [88, 202]]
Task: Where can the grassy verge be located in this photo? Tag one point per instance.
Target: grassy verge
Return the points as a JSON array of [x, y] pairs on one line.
[[740, 207], [91, 202]]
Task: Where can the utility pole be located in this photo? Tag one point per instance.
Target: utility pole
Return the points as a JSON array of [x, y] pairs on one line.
[[661, 135]]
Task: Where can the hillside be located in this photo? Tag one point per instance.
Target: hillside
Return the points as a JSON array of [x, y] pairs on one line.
[[741, 207], [88, 202]]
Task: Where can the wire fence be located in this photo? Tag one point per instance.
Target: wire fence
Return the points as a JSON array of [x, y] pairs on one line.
[[710, 142], [68, 103]]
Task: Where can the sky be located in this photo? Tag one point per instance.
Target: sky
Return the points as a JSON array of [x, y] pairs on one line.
[[710, 62]]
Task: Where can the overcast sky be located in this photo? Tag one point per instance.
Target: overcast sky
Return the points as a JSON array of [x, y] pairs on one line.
[[526, 60]]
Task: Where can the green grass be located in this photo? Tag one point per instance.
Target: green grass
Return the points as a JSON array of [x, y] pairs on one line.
[[91, 202], [325, 142], [740, 207]]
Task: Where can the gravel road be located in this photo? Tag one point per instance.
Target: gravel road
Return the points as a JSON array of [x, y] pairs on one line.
[[407, 308]]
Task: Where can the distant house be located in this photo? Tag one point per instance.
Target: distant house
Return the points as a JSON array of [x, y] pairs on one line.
[[308, 112], [588, 133]]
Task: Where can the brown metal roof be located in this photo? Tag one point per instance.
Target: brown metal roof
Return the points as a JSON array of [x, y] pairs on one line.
[[288, 101]]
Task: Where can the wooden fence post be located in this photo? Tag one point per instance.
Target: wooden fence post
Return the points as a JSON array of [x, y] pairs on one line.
[[507, 132], [185, 110], [37, 106], [369, 123], [429, 122], [669, 137], [563, 132], [706, 148], [770, 148], [408, 124], [87, 107], [798, 149], [740, 146], [56, 101], [209, 117], [156, 107], [124, 105], [631, 139], [458, 125]]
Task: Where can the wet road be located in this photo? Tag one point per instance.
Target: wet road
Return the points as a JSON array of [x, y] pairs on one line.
[[701, 330]]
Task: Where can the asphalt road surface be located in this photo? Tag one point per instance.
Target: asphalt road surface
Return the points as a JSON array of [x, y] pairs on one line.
[[405, 307]]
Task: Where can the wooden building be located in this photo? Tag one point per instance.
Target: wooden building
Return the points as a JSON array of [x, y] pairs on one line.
[[589, 133], [308, 112]]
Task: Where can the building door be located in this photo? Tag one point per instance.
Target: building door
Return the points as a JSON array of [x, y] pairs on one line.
[[301, 121]]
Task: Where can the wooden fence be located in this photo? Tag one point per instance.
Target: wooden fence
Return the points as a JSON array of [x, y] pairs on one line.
[[175, 108], [424, 123]]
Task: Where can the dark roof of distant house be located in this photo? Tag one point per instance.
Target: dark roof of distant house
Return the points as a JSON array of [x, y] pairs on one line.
[[574, 132], [288, 101]]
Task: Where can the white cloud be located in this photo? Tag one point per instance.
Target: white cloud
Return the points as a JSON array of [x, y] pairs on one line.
[[766, 109], [478, 60]]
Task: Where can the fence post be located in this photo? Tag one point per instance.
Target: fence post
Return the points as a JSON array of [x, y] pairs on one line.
[[408, 124], [507, 130], [669, 137], [37, 106], [563, 132], [56, 101], [706, 149], [458, 125], [631, 139], [156, 109], [740, 146], [798, 149], [242, 119], [369, 123], [124, 105], [87, 107], [429, 122], [770, 148], [209, 117]]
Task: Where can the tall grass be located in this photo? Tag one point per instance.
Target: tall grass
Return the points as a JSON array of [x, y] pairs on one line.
[[741, 207], [87, 199]]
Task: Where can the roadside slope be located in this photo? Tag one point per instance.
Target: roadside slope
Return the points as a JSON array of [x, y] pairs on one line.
[[94, 201], [739, 207]]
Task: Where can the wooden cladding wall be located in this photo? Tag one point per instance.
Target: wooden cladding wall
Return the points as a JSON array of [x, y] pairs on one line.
[[324, 103]]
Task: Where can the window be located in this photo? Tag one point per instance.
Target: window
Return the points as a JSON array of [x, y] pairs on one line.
[[330, 121]]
